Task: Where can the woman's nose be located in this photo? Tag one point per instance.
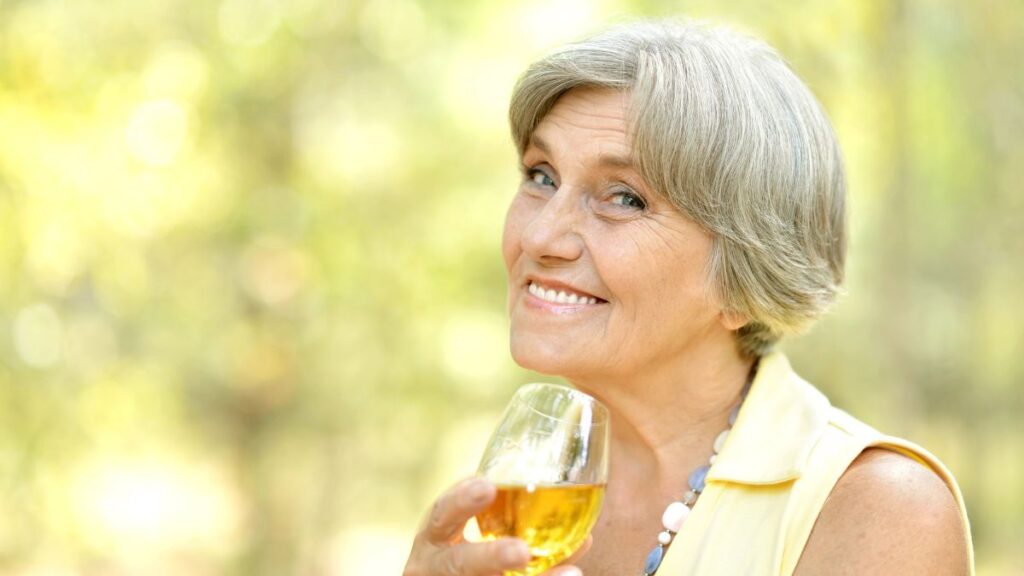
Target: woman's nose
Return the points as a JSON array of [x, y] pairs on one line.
[[552, 234]]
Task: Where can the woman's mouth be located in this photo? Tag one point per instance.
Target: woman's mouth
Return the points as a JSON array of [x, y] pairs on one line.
[[560, 296]]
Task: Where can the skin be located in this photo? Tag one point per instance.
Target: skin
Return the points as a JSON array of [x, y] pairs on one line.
[[440, 550], [887, 515], [657, 348], [659, 351]]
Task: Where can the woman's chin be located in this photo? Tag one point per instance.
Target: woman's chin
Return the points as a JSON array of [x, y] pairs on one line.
[[548, 360]]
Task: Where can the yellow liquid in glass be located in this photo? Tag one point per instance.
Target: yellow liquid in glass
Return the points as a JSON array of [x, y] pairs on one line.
[[554, 520]]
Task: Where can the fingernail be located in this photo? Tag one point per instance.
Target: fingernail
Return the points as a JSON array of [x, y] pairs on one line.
[[478, 491], [516, 553]]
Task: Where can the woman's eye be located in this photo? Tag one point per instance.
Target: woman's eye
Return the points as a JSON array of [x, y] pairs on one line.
[[539, 177], [629, 200]]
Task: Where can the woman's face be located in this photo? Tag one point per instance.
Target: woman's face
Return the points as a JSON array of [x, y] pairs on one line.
[[605, 276]]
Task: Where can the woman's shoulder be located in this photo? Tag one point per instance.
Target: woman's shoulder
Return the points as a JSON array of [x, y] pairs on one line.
[[831, 494], [888, 514], [874, 504]]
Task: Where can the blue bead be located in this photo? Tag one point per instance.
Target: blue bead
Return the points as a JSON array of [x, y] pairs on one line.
[[654, 560], [697, 478], [732, 415]]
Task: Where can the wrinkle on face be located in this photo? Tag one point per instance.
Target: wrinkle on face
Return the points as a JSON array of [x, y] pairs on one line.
[[650, 264]]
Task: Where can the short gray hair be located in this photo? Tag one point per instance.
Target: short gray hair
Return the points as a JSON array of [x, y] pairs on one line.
[[724, 129]]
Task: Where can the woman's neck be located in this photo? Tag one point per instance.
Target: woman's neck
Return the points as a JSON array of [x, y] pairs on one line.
[[665, 417], [664, 421]]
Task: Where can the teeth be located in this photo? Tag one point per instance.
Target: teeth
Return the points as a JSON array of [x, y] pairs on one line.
[[560, 297]]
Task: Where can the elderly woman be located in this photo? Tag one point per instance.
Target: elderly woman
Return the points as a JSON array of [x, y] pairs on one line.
[[681, 209]]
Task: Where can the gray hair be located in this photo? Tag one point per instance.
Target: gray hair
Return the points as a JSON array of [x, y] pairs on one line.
[[724, 129]]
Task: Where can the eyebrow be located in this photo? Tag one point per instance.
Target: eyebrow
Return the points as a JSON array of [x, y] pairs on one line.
[[612, 160]]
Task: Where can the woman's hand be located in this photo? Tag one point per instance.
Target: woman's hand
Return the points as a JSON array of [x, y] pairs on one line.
[[440, 550]]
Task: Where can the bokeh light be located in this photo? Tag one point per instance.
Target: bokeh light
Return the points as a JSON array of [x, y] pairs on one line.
[[156, 132], [38, 336]]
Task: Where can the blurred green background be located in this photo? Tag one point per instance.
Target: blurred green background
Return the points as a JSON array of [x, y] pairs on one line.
[[251, 295]]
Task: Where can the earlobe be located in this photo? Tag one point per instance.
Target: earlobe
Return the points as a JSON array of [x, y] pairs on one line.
[[733, 320]]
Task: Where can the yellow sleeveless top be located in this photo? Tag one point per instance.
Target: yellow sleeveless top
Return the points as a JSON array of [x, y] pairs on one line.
[[784, 454]]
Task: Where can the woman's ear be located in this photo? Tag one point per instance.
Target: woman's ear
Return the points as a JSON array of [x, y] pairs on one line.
[[733, 320]]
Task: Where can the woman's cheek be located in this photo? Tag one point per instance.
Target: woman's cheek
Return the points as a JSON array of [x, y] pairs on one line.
[[515, 222]]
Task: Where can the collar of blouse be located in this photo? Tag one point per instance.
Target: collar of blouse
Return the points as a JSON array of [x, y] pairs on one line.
[[780, 421]]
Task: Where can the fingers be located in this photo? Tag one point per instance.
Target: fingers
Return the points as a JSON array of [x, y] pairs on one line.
[[481, 558], [439, 549], [455, 508]]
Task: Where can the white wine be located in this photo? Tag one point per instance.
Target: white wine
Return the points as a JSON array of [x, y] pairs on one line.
[[554, 520], [548, 458]]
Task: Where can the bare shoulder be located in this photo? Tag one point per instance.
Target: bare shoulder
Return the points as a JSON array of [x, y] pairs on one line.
[[887, 514]]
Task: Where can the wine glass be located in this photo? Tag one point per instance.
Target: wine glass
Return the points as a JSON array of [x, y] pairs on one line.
[[549, 460]]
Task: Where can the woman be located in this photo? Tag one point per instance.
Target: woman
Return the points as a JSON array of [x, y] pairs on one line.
[[681, 210]]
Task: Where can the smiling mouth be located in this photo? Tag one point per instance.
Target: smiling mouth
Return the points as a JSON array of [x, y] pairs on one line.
[[560, 296]]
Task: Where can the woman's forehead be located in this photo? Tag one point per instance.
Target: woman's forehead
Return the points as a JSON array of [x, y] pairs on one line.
[[597, 117]]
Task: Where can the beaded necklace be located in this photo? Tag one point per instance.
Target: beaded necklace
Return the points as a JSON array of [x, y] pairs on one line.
[[676, 512]]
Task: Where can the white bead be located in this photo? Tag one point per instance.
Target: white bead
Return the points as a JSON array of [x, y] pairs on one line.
[[720, 441], [689, 498], [712, 459], [674, 516], [665, 538]]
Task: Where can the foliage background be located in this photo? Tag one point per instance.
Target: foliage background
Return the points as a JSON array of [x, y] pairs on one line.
[[251, 298]]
